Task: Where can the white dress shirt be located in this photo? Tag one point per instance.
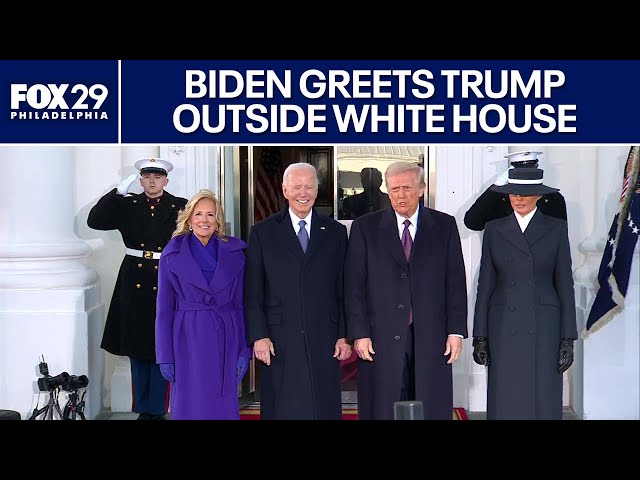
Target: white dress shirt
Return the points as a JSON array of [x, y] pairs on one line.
[[524, 221], [295, 220], [412, 228]]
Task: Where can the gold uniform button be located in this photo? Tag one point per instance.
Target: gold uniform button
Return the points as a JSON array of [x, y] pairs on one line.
[[156, 267], [138, 285], [142, 244], [139, 265], [155, 288], [152, 207], [159, 248]]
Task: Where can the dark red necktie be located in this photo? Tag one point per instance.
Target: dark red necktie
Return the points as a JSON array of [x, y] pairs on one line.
[[407, 243]]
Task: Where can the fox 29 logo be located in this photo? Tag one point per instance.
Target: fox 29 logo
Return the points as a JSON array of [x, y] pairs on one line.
[[58, 102]]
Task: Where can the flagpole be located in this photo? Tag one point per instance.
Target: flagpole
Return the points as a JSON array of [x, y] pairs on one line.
[[609, 380], [607, 193]]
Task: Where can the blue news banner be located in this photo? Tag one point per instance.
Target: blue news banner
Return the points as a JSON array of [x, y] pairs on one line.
[[307, 101], [59, 101]]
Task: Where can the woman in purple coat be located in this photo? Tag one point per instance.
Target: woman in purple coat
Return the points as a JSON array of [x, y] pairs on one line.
[[200, 334]]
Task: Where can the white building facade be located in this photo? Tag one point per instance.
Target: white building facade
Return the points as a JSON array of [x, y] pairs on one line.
[[57, 275]]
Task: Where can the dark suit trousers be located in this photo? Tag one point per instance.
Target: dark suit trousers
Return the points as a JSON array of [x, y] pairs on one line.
[[408, 385]]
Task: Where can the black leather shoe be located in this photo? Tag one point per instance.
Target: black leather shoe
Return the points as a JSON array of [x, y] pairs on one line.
[[158, 417], [145, 416]]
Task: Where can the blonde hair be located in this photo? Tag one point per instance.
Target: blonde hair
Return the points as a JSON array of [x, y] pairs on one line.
[[182, 223]]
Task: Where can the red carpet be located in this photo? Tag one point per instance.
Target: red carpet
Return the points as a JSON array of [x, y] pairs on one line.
[[349, 412]]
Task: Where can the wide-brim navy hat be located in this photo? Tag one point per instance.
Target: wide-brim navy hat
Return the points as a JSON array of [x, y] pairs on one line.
[[525, 181]]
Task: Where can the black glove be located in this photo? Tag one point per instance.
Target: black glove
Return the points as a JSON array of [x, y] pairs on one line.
[[565, 357], [481, 351]]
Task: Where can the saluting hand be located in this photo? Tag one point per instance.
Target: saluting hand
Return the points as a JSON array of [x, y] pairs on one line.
[[263, 349], [342, 350], [125, 185], [364, 348]]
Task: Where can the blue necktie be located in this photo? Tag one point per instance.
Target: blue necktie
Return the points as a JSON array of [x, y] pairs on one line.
[[303, 236]]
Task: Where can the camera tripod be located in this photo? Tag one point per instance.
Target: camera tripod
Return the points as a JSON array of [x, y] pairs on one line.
[[49, 408], [73, 407]]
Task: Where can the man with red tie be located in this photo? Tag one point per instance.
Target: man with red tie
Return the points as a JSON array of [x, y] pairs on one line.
[[405, 300]]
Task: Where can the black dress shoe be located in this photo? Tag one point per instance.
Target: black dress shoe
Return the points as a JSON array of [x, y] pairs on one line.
[[145, 416], [158, 417]]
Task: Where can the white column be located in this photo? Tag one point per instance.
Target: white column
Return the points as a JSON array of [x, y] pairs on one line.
[[194, 168], [609, 378], [47, 292], [462, 174]]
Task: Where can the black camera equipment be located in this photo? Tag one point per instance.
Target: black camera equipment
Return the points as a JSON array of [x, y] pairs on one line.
[[52, 384], [73, 407], [74, 382], [49, 384]]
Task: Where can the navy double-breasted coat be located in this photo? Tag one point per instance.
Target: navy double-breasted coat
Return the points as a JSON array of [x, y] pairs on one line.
[[525, 305]]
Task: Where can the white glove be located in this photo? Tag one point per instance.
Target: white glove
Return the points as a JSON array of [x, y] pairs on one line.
[[503, 178], [124, 186]]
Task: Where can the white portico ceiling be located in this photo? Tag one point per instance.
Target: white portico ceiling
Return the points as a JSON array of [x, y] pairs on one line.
[[388, 151]]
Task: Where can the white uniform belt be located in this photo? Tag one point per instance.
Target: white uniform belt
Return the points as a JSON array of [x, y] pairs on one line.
[[148, 254]]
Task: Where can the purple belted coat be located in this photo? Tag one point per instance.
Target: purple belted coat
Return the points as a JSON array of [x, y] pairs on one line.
[[200, 328]]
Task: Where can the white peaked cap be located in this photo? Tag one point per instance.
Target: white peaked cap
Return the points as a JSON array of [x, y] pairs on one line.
[[523, 156], [153, 165]]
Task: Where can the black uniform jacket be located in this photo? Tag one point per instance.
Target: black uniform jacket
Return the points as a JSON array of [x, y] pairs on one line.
[[130, 325], [493, 205]]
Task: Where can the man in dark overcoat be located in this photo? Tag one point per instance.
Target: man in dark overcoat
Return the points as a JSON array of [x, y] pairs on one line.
[[146, 222], [406, 301], [525, 318], [294, 304], [492, 205]]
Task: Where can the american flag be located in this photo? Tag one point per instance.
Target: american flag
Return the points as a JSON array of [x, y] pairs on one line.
[[615, 267], [268, 182]]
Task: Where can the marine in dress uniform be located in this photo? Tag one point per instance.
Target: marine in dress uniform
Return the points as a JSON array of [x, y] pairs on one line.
[[492, 205], [146, 222]]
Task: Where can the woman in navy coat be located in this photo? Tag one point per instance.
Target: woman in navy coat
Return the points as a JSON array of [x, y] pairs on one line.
[[525, 318], [200, 333]]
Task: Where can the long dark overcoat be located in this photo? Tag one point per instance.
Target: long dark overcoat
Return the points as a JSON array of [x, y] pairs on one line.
[[200, 328], [130, 326], [296, 300], [525, 305], [380, 288]]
